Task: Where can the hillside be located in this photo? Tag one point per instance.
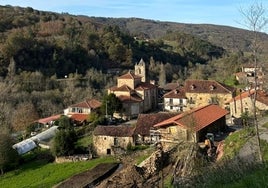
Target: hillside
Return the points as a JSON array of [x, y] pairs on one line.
[[38, 49], [230, 38]]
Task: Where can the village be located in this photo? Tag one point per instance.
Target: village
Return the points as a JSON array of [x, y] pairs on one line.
[[177, 112]]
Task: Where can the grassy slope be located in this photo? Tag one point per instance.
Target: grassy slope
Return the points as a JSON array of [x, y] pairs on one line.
[[38, 174], [252, 177]]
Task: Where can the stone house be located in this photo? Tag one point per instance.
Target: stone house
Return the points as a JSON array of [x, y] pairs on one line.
[[79, 112], [112, 140], [244, 103], [175, 100], [192, 126], [144, 132], [136, 95], [247, 75], [204, 92]]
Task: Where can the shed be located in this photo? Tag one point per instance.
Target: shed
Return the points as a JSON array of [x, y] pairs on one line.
[[194, 124]]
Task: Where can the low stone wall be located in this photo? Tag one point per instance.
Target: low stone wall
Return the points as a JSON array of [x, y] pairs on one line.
[[73, 158], [152, 164]]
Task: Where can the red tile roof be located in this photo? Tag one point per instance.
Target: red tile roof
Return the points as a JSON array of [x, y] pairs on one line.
[[176, 93], [122, 88], [242, 95], [129, 75], [146, 121], [49, 119], [118, 131], [261, 96], [79, 117], [206, 86], [171, 86], [133, 98], [92, 103], [145, 86], [197, 119]]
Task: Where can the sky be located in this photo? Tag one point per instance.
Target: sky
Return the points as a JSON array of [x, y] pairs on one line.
[[219, 12]]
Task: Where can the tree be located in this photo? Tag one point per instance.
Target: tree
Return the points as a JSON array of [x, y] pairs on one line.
[[65, 139], [162, 75], [24, 115], [255, 20], [8, 156], [110, 104]]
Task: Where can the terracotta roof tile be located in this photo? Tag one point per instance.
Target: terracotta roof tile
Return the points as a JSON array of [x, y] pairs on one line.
[[92, 103], [206, 86], [170, 86], [197, 118], [261, 96], [145, 86], [176, 93], [133, 98], [122, 88], [79, 117], [146, 121], [129, 75], [49, 119], [119, 131]]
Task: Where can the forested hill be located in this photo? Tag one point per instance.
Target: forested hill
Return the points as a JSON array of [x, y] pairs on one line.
[[230, 38], [60, 44]]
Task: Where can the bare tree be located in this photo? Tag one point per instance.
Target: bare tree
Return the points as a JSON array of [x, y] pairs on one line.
[[255, 21]]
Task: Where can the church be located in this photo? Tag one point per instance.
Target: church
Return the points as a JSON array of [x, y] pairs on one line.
[[135, 92]]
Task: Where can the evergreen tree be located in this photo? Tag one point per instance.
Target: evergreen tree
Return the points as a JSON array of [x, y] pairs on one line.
[[8, 156], [65, 139]]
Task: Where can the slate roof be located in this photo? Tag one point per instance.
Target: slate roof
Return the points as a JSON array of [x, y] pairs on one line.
[[146, 121], [176, 93], [206, 86], [116, 131], [198, 118], [89, 103]]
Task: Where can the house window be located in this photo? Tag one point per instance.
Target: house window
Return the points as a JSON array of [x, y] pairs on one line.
[[104, 138], [108, 151], [191, 101], [116, 141], [170, 101], [181, 101]]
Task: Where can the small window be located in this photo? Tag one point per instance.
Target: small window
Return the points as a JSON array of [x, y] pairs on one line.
[[104, 138], [116, 141]]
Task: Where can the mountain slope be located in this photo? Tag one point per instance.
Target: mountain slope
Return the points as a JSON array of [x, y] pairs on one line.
[[230, 38]]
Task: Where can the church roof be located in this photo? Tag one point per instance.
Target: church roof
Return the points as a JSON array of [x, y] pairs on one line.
[[129, 75]]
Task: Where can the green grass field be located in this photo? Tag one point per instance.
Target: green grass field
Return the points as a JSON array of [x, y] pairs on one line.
[[41, 174]]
